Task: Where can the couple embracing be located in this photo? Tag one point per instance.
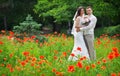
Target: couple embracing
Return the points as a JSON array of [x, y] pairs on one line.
[[83, 31]]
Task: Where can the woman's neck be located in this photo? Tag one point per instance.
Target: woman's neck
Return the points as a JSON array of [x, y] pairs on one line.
[[82, 15]]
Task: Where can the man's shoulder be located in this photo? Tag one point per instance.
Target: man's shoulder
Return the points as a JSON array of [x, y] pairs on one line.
[[94, 16]]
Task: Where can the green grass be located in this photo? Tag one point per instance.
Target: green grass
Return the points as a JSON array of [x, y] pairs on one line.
[[12, 54]]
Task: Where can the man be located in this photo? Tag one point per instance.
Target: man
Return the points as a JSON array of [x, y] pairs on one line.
[[89, 33]]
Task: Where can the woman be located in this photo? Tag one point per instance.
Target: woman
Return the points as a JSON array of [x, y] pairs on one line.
[[79, 49]]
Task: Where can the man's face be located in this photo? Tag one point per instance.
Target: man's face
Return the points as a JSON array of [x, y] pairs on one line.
[[89, 11]]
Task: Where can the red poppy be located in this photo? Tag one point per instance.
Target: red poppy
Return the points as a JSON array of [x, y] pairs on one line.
[[103, 67], [4, 59], [3, 75], [0, 51], [98, 41], [26, 53], [64, 54], [116, 54], [11, 55], [98, 62], [1, 42], [23, 63], [53, 70], [41, 57], [42, 74], [84, 57], [79, 64], [37, 41], [78, 48], [55, 57], [110, 56], [33, 37], [87, 68], [93, 65], [11, 33], [115, 49], [72, 54], [104, 60], [71, 68], [11, 69], [113, 74], [119, 74], [3, 31], [8, 66], [59, 74], [98, 74], [81, 58], [32, 64], [34, 59]]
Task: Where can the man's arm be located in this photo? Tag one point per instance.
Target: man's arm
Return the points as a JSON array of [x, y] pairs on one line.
[[91, 24]]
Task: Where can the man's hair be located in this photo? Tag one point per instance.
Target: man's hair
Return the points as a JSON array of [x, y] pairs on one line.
[[88, 7]]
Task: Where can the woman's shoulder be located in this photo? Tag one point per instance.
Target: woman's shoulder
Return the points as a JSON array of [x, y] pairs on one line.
[[78, 18]]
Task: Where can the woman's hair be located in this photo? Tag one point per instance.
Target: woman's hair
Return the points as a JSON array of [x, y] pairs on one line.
[[78, 11]]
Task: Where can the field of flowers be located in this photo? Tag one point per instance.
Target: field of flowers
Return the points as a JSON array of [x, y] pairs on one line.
[[28, 57]]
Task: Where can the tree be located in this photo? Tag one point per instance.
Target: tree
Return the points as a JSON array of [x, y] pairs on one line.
[[29, 26], [62, 11], [13, 11]]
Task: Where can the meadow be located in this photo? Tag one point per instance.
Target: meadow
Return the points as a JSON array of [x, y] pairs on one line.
[[29, 57]]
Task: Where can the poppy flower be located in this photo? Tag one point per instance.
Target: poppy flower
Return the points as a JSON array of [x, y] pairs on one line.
[[103, 67], [64, 54], [1, 42], [78, 48], [26, 53], [53, 70], [113, 74], [93, 65], [79, 64], [115, 49], [71, 68], [33, 37], [72, 54], [104, 60], [87, 68], [41, 57], [23, 63], [0, 51]]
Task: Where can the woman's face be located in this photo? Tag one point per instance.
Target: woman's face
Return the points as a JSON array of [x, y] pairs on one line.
[[82, 12]]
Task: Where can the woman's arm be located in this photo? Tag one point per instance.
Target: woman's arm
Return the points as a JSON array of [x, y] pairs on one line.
[[77, 22]]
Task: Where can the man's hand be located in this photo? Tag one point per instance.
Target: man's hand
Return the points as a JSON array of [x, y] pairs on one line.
[[77, 26]]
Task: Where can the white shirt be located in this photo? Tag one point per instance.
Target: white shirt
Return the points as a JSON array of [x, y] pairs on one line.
[[90, 28]]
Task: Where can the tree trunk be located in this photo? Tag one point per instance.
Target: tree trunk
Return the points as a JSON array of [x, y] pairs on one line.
[[5, 22], [54, 26]]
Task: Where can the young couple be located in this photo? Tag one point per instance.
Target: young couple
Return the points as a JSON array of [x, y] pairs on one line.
[[83, 31]]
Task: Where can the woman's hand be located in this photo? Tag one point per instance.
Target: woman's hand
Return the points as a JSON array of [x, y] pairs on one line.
[[77, 29]]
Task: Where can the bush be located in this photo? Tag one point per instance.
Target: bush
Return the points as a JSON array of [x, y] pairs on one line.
[[112, 30], [28, 28]]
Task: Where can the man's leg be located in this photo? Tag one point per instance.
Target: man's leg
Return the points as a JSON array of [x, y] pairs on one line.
[[89, 41]]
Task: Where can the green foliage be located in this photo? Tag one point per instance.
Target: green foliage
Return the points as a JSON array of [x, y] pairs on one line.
[[111, 30], [54, 61], [59, 10], [28, 26], [15, 11], [63, 10]]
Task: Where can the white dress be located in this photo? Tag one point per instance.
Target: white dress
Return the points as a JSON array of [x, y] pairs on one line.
[[78, 42]]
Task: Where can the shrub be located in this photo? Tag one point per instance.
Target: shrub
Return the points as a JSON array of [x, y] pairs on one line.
[[28, 28], [112, 30]]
